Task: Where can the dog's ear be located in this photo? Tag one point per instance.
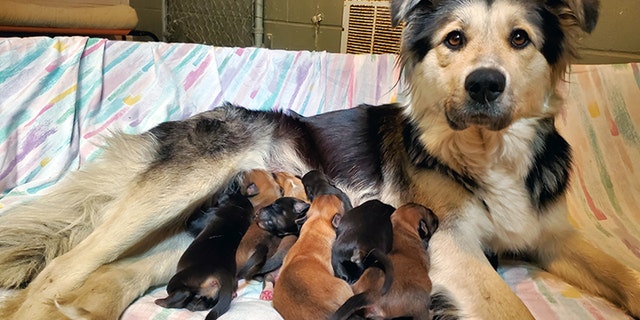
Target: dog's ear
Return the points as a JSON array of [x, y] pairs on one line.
[[252, 190], [336, 220], [428, 225], [300, 207], [581, 13], [401, 9], [301, 220]]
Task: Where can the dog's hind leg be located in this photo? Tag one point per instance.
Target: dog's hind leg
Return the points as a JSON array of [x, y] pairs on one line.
[[160, 198], [62, 217], [112, 287], [568, 255]]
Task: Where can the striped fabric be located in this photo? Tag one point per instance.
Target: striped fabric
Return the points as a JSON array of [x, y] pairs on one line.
[[58, 96]]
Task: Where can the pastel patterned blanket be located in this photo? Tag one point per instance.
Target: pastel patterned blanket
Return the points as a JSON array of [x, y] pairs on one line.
[[58, 96]]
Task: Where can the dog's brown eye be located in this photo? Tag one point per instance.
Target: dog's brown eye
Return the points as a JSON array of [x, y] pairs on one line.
[[519, 39], [454, 40]]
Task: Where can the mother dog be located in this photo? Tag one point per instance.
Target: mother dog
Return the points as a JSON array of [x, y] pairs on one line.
[[476, 143]]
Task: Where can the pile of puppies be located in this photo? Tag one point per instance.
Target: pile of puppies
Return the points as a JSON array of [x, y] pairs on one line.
[[334, 261]]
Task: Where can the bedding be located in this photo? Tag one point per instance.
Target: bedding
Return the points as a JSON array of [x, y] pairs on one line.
[[58, 96]]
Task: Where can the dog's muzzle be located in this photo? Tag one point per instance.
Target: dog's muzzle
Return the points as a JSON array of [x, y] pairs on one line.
[[484, 87]]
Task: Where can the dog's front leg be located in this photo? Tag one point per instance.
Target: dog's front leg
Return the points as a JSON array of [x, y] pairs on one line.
[[568, 255], [458, 264]]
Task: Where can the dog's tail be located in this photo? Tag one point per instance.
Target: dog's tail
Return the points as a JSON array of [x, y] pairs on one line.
[[33, 234], [275, 261], [375, 258], [254, 263], [352, 305], [225, 295]]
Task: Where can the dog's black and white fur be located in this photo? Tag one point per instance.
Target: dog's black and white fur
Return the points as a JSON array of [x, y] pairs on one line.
[[476, 143]]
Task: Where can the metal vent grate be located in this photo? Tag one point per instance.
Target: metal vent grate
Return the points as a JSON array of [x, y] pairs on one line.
[[367, 28]]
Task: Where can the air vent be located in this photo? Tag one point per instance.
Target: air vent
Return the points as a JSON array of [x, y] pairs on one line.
[[366, 28]]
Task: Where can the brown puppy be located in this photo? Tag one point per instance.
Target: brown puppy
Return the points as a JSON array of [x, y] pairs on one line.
[[206, 274], [291, 185], [257, 244], [410, 292], [307, 288], [364, 237]]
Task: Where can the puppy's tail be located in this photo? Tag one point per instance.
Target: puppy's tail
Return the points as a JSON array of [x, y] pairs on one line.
[[274, 262], [352, 305], [254, 263], [225, 295], [375, 258], [33, 234]]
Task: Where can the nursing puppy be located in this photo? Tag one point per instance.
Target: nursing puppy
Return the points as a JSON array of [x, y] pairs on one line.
[[291, 185], [206, 274], [476, 142], [257, 245], [363, 238], [307, 288], [413, 226], [284, 217]]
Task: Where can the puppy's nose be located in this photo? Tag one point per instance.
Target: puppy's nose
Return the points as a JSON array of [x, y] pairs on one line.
[[485, 85]]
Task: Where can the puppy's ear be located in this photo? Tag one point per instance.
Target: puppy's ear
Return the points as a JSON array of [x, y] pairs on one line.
[[428, 225], [581, 13], [336, 220], [402, 9], [301, 220], [252, 190], [300, 207]]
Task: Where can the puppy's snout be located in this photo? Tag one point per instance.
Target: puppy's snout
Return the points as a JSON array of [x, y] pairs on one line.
[[485, 85]]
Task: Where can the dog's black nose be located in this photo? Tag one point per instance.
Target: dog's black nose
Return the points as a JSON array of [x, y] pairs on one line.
[[485, 85]]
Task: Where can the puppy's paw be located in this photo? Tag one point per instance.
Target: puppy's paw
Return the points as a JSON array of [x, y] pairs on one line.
[[266, 295], [267, 290]]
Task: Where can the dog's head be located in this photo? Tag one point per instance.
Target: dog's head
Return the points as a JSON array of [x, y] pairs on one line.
[[283, 217], [487, 63], [260, 187], [317, 183], [417, 218]]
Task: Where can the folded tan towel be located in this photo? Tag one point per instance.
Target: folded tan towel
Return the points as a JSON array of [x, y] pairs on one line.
[[20, 14]]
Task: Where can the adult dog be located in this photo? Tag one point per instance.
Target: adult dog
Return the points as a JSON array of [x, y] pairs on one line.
[[476, 143]]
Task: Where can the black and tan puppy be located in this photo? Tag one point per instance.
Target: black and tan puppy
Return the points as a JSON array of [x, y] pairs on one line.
[[307, 288], [206, 273], [410, 292], [364, 237], [315, 182], [284, 217]]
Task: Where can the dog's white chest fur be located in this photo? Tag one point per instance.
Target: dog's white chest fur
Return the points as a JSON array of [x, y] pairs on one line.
[[499, 163]]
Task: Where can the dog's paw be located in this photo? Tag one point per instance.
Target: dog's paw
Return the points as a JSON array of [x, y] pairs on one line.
[[267, 291], [266, 295], [104, 295]]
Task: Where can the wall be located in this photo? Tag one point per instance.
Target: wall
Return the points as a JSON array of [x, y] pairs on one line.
[[617, 35], [150, 15], [288, 24]]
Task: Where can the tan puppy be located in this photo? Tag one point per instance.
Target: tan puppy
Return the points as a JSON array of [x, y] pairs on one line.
[[409, 295], [258, 244], [291, 185], [307, 288]]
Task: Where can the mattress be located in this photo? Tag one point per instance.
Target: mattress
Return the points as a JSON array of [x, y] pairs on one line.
[[58, 96]]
